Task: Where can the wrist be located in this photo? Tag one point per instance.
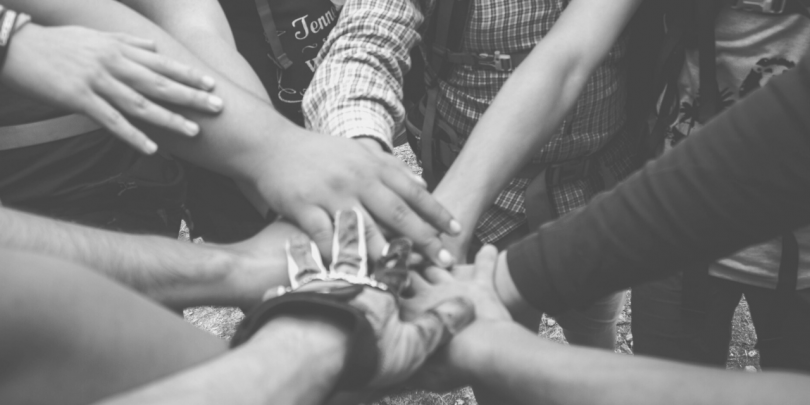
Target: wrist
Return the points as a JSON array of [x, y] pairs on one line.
[[310, 349], [475, 349], [312, 339], [201, 281]]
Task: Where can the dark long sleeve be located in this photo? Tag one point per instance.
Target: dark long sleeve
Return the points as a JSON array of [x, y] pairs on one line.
[[742, 179]]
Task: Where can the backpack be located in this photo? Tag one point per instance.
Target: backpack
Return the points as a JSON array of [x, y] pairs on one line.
[[690, 25], [280, 39]]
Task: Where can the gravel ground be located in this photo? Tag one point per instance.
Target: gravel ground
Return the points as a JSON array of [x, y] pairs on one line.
[[742, 355]]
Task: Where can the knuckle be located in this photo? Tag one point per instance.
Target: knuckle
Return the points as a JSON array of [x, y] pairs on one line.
[[140, 103], [164, 64], [161, 84], [113, 118], [401, 214]]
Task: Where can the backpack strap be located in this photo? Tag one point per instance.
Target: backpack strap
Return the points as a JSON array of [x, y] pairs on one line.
[[449, 24], [271, 34], [709, 91]]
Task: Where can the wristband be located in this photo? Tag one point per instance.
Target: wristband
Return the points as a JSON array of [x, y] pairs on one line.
[[362, 356], [7, 21]]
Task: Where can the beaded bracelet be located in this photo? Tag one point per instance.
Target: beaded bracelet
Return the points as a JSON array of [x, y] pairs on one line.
[[7, 21]]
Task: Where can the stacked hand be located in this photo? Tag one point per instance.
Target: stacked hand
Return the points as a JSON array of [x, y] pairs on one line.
[[447, 369], [399, 347], [103, 75], [319, 175]]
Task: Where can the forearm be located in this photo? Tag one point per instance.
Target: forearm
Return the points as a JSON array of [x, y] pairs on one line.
[[202, 28], [357, 88], [289, 362], [530, 370], [743, 179], [174, 273], [532, 105], [239, 142]]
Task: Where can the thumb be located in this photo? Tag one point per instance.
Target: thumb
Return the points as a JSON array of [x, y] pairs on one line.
[[485, 261]]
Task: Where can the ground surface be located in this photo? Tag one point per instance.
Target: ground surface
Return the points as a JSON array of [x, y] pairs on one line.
[[742, 355]]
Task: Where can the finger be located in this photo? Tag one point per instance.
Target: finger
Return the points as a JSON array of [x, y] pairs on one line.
[[437, 275], [422, 201], [111, 119], [417, 178], [138, 42], [349, 253], [463, 272], [392, 211], [485, 261], [318, 225], [174, 70], [392, 269], [165, 88], [137, 105], [375, 240]]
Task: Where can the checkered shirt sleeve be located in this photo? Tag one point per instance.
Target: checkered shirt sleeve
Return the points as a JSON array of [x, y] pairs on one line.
[[357, 88]]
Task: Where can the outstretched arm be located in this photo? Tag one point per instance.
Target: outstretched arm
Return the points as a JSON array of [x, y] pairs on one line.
[[201, 26], [515, 363], [744, 179], [300, 175], [312, 351], [174, 273], [510, 360], [530, 108]]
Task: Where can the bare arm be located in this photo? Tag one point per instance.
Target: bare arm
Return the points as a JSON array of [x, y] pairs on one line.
[[200, 25], [312, 353], [174, 273], [514, 362], [531, 106]]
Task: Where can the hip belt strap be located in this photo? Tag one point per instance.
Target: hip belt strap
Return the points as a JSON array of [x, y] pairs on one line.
[[36, 133]]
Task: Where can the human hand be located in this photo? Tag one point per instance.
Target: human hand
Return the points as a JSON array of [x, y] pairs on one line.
[[447, 369], [401, 347], [103, 75], [324, 174]]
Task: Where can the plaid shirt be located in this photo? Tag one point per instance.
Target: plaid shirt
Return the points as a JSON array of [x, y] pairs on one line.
[[357, 90]]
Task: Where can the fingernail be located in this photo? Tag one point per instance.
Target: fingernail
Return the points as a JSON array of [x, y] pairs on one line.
[[446, 258], [191, 128], [455, 227], [149, 147], [208, 82], [215, 102]]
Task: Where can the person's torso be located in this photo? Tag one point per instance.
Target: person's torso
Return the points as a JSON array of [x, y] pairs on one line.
[[302, 27], [34, 174], [516, 26], [751, 48]]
